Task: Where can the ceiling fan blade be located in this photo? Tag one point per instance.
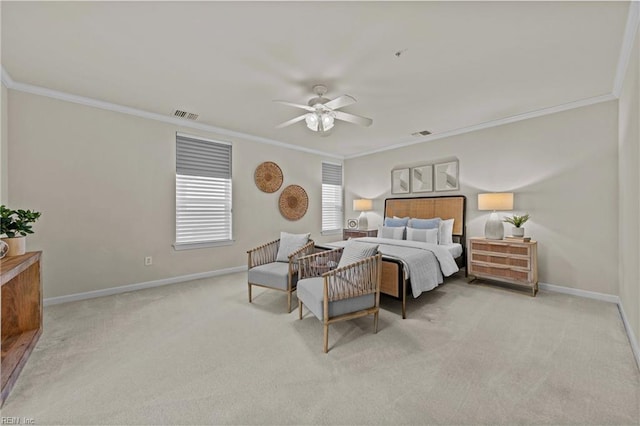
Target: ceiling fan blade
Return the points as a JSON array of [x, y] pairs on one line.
[[306, 107], [290, 122], [341, 101], [352, 118]]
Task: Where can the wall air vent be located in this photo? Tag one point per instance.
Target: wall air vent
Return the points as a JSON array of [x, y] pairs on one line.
[[186, 115], [422, 133]]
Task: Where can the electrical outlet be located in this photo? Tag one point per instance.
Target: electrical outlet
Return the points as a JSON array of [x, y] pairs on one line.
[[148, 261]]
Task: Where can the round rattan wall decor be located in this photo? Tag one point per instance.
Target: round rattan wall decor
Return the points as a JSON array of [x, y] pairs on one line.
[[268, 177], [293, 202]]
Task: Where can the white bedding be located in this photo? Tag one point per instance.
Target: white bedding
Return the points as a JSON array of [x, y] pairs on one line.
[[425, 263], [455, 249]]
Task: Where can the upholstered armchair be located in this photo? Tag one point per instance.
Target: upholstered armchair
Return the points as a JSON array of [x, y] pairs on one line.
[[275, 266], [351, 290]]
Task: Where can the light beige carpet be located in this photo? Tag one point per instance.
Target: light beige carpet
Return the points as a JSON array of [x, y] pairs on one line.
[[199, 353]]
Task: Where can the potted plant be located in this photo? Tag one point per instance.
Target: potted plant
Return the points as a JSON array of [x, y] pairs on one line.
[[15, 224], [517, 222]]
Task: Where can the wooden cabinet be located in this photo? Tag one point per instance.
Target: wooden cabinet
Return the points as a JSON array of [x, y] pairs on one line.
[[357, 233], [510, 261], [21, 315]]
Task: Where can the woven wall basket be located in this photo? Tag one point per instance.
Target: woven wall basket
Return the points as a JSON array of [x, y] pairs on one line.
[[268, 177], [293, 202]]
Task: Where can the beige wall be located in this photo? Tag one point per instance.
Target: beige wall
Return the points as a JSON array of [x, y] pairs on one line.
[[563, 170], [629, 190], [105, 184], [4, 158]]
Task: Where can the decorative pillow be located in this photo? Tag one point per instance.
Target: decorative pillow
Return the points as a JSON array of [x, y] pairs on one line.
[[355, 251], [424, 223], [395, 233], [290, 243], [393, 222], [445, 235], [423, 235]]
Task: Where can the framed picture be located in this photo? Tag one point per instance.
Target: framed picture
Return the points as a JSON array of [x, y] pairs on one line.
[[400, 181], [422, 179], [446, 176]]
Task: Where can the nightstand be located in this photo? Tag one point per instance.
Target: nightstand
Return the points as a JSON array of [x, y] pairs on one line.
[[357, 233], [509, 261]]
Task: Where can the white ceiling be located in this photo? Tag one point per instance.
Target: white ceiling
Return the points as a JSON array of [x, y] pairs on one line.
[[463, 63]]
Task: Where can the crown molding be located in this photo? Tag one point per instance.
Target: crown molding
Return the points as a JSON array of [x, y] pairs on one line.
[[82, 100], [492, 123], [631, 28], [6, 79], [43, 91]]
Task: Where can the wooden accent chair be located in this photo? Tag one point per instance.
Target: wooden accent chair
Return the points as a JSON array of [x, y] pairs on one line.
[[265, 271], [348, 292]]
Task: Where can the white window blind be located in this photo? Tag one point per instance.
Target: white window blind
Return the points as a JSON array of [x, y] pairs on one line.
[[331, 197], [203, 192]]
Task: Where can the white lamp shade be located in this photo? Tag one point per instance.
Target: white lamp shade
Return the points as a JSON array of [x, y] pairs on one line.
[[495, 201], [362, 205]]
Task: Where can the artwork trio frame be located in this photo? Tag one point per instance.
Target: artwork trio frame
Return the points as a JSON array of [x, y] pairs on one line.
[[437, 177]]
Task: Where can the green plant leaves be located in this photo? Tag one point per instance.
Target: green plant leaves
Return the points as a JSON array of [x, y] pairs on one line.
[[16, 223], [516, 220]]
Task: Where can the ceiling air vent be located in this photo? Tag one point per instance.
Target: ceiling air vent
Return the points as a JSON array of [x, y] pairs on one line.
[[186, 115], [422, 133]]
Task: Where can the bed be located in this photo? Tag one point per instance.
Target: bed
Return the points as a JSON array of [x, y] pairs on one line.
[[397, 256]]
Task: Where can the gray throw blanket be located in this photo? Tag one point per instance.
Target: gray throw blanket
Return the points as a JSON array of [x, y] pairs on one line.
[[424, 263]]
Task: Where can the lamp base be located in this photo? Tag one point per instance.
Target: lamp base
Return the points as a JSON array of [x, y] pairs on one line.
[[494, 229], [363, 222]]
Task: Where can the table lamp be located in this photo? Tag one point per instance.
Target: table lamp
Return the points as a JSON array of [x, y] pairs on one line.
[[494, 229], [362, 206]]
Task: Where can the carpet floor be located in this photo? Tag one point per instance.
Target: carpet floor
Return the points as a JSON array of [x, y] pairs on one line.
[[199, 353]]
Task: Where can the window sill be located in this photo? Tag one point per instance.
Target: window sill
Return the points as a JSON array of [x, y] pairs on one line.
[[332, 232], [192, 246]]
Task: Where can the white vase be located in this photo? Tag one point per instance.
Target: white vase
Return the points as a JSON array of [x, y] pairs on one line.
[[517, 232], [17, 245]]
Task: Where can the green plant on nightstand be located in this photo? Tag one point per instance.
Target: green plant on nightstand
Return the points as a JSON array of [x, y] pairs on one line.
[[517, 222], [16, 224]]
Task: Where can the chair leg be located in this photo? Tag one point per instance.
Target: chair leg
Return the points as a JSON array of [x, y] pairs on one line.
[[326, 338], [288, 302], [375, 322], [249, 292], [300, 308]]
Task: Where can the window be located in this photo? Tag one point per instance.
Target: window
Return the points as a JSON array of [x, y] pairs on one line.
[[203, 192], [331, 197]]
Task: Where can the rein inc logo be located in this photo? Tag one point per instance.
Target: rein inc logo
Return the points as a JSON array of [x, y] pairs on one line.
[[17, 421]]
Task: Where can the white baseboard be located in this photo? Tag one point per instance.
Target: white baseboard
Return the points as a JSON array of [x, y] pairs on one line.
[[632, 338], [139, 286], [611, 298]]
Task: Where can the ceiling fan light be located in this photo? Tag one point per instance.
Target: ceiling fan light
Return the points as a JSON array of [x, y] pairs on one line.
[[312, 121], [327, 121]]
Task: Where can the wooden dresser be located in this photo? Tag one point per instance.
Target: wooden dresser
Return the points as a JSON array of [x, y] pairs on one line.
[[357, 233], [21, 315], [509, 261]]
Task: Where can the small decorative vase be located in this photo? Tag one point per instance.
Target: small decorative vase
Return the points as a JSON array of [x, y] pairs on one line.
[[17, 246], [4, 249], [517, 232]]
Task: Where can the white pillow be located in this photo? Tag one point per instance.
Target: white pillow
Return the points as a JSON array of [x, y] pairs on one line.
[[392, 232], [423, 235], [290, 243], [355, 251], [446, 232]]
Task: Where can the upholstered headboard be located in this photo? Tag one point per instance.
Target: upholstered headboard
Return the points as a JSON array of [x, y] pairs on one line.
[[445, 207]]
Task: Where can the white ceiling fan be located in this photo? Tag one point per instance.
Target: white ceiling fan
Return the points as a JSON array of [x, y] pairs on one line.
[[322, 111]]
